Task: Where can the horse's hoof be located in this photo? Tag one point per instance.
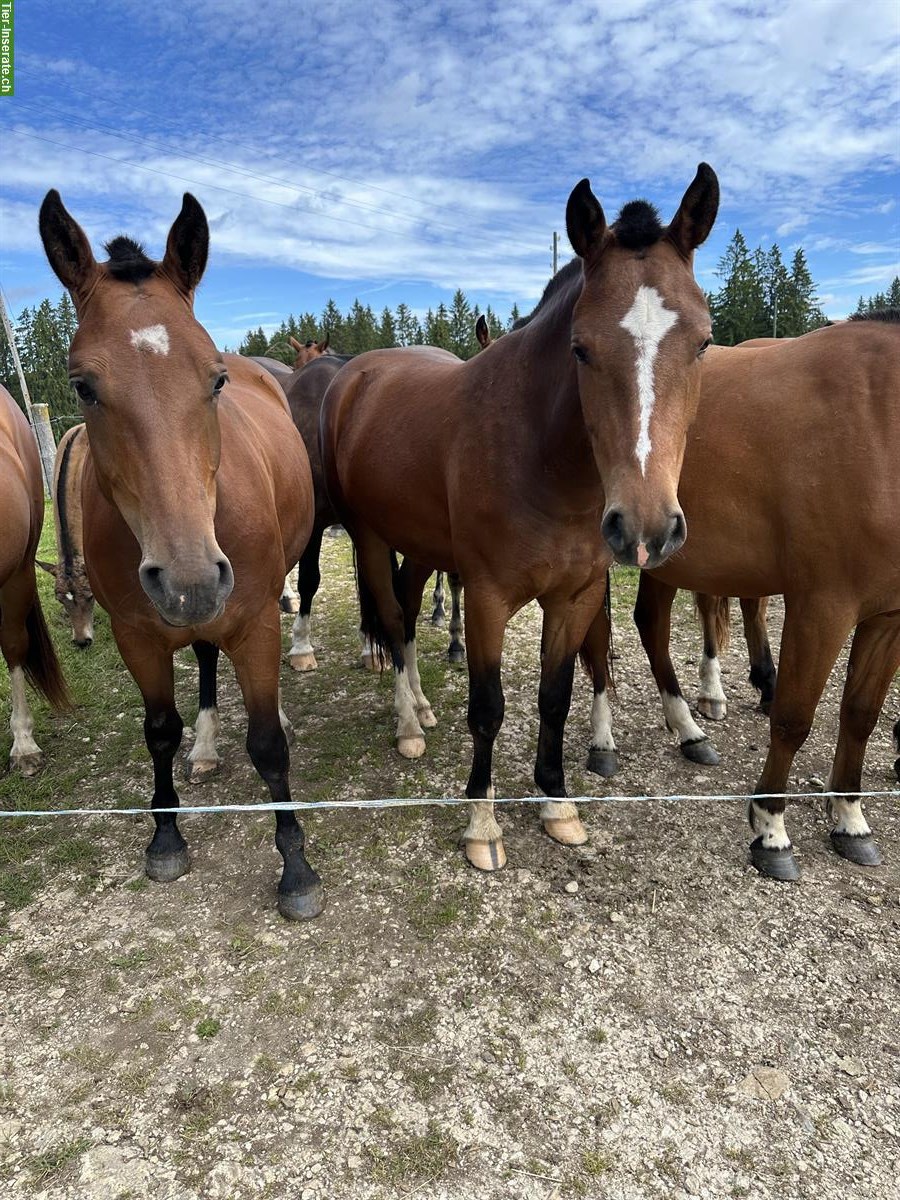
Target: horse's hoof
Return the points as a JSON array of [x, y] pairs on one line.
[[166, 868], [457, 656], [437, 620], [411, 747], [775, 864], [304, 662], [858, 848], [713, 710], [426, 717], [288, 605], [201, 769], [302, 906], [569, 831], [702, 752], [602, 762], [486, 856], [27, 764]]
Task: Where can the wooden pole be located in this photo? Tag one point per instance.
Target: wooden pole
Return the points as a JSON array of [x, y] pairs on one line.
[[42, 427]]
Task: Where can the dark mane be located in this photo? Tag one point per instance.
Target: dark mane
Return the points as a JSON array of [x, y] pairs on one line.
[[638, 226], [878, 314], [556, 284], [127, 260]]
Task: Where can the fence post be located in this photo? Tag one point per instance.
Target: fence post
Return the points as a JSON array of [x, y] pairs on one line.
[[46, 442]]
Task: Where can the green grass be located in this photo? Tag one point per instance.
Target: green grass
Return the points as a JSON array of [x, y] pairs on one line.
[[208, 1028], [47, 1166]]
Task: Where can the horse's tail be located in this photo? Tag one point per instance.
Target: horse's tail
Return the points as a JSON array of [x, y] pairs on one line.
[[370, 624], [42, 667], [721, 619], [587, 658]]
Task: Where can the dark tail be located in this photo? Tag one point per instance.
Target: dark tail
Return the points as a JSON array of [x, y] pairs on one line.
[[584, 653], [370, 625], [721, 620], [41, 666]]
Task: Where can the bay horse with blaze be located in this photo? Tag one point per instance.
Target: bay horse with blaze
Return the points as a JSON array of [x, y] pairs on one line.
[[196, 492]]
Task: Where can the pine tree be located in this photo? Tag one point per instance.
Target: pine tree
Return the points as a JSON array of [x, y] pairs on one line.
[[332, 324], [514, 316], [404, 325], [387, 330], [738, 308], [462, 327], [437, 328], [255, 343]]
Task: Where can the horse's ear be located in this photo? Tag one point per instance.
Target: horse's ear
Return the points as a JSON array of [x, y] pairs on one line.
[[697, 212], [585, 222], [482, 333], [188, 246], [50, 568], [323, 345], [66, 246], [295, 345]]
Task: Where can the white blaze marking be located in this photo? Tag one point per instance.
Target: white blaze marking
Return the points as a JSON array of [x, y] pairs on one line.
[[648, 321], [154, 338]]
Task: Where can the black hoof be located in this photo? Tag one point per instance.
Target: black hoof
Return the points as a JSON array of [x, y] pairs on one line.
[[775, 864], [860, 848], [602, 762], [166, 868], [302, 906], [457, 656], [702, 752]]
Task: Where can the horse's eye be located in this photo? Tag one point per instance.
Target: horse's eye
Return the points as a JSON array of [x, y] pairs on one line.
[[580, 353], [220, 383], [84, 392], [703, 349]]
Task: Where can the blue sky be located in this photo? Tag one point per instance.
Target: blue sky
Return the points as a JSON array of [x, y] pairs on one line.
[[397, 151]]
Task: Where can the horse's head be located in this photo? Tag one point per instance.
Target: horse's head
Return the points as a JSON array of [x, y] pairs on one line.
[[307, 351], [148, 378], [639, 331], [73, 591]]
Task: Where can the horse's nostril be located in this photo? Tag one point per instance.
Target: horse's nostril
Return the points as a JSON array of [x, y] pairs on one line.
[[613, 529], [678, 532]]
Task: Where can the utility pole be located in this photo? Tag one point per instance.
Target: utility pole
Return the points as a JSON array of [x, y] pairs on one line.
[[775, 315], [39, 421], [555, 250]]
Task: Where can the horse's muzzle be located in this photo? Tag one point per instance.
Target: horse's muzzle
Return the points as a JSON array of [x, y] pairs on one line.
[[635, 547], [188, 596]]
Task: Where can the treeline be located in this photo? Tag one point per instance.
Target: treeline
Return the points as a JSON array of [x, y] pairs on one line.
[[43, 335], [761, 297], [360, 329], [888, 299]]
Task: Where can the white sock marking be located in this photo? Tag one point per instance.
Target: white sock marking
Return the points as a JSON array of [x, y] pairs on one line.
[[21, 723], [405, 707], [483, 825], [770, 826], [154, 338], [412, 670], [648, 321], [711, 679], [679, 718], [206, 730], [300, 643], [601, 723]]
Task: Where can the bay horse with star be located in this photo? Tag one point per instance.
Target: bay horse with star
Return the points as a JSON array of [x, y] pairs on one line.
[[24, 639], [196, 492], [790, 486], [526, 469]]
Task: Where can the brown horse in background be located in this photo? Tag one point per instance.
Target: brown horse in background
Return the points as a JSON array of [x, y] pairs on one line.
[[196, 493], [790, 486], [525, 469], [73, 588], [24, 639], [308, 350]]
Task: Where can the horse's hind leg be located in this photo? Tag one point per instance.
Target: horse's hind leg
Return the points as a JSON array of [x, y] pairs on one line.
[[16, 599], [874, 657], [602, 759], [653, 616], [814, 631], [711, 702], [302, 656], [896, 736], [203, 760], [438, 615], [486, 617], [410, 583], [256, 661], [383, 622], [289, 601], [762, 666], [152, 670], [457, 651]]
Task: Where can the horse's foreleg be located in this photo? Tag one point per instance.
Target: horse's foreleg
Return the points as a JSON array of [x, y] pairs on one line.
[[302, 656], [151, 668], [711, 702], [486, 617], [256, 661], [457, 651], [438, 615], [410, 583], [564, 629], [203, 760], [602, 758], [653, 615], [16, 599], [874, 658], [814, 631], [762, 667]]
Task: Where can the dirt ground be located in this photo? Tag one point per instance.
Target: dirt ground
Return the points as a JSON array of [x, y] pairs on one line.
[[644, 1017]]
